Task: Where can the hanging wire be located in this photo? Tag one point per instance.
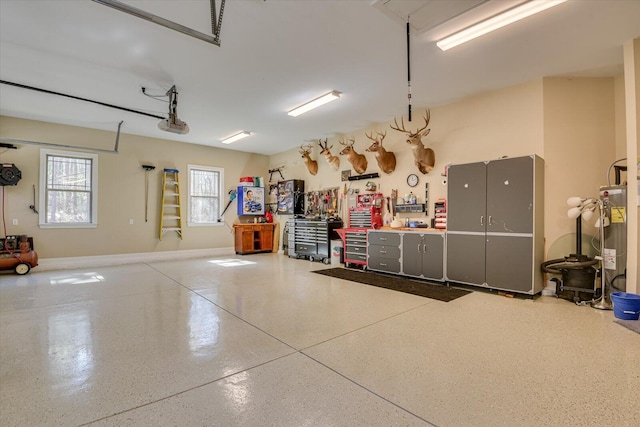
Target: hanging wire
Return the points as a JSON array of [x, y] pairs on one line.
[[158, 97], [4, 220]]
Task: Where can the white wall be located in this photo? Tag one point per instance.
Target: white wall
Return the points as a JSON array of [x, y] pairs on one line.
[[121, 193], [579, 146], [506, 122], [574, 124]]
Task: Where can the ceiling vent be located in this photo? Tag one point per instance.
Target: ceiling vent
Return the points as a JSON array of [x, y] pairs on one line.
[[425, 15]]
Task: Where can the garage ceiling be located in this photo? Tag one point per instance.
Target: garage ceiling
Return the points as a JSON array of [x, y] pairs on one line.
[[277, 54]]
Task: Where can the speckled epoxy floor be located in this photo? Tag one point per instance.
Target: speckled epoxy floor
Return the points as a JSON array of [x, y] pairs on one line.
[[260, 341]]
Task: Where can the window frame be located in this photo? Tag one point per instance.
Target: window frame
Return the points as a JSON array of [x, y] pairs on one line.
[[220, 171], [42, 204]]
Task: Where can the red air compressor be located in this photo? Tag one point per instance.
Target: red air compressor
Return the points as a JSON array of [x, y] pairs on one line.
[[17, 254]]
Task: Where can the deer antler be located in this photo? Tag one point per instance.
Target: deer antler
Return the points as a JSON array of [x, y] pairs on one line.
[[352, 141], [305, 149], [379, 138], [398, 127], [427, 118]]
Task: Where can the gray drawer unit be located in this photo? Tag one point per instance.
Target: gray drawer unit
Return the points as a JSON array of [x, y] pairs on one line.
[[359, 218], [384, 251], [384, 238], [312, 238], [381, 264], [355, 250], [305, 249], [305, 238], [291, 237]]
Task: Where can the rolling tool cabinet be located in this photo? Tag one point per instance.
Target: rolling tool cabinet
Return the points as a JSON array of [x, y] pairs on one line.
[[312, 238]]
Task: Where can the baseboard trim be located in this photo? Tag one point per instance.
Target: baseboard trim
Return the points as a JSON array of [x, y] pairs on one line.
[[120, 259]]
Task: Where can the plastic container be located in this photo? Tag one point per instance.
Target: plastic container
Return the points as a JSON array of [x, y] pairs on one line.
[[550, 289], [626, 306], [336, 253], [246, 180]]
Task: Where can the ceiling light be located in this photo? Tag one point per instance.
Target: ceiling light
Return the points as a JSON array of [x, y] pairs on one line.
[[236, 137], [327, 97], [498, 21]]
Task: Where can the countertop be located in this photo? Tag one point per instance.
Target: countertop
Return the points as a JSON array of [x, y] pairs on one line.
[[417, 229]]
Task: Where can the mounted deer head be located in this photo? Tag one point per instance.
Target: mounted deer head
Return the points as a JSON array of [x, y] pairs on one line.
[[358, 161], [386, 159], [424, 157], [312, 165], [334, 161]]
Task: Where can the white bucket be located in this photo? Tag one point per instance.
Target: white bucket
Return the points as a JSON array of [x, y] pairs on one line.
[[336, 251], [550, 289]]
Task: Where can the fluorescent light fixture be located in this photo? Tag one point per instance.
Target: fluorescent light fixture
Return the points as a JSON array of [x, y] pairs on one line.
[[327, 97], [505, 18], [236, 137]]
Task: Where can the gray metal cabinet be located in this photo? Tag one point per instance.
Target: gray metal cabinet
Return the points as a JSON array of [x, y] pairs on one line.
[[311, 238], [383, 251], [305, 238], [495, 224], [466, 257], [291, 237], [423, 255]]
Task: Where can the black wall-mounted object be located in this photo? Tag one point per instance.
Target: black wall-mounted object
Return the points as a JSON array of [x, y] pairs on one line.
[[9, 174], [291, 197], [365, 176]]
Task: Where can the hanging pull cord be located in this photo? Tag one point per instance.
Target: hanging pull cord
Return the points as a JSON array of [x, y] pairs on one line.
[[409, 68]]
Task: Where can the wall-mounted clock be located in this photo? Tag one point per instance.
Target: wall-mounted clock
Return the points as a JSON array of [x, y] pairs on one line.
[[412, 180]]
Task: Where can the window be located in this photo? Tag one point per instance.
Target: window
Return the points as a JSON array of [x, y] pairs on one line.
[[68, 189], [205, 189]]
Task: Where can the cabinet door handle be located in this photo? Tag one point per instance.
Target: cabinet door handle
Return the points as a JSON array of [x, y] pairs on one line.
[[490, 220], [382, 264], [384, 239], [424, 248], [383, 252], [418, 247], [481, 219]]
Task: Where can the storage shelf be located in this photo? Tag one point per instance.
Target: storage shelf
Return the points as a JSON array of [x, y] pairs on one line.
[[417, 207]]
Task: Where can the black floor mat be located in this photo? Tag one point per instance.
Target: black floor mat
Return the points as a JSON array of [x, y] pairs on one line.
[[424, 289], [633, 325]]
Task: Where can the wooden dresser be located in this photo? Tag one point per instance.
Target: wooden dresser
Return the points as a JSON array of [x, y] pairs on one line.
[[253, 238]]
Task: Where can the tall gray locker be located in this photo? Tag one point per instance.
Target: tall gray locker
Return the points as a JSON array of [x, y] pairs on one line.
[[495, 235]]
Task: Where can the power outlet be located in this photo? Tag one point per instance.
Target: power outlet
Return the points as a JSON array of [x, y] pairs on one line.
[[15, 221], [131, 221]]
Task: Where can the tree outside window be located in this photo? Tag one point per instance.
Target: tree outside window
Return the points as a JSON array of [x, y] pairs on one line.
[[68, 189], [205, 189]]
